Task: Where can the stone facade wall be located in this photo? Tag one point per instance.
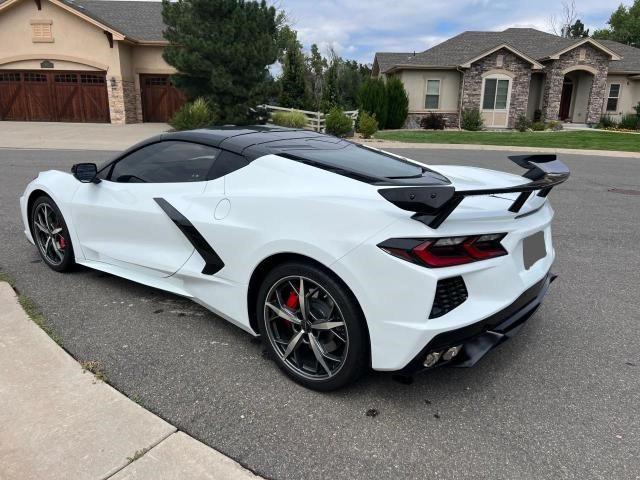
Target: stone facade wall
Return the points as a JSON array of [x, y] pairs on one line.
[[123, 102], [520, 70], [413, 119], [555, 77]]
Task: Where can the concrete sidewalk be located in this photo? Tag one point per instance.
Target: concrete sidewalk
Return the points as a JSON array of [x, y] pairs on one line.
[[75, 136], [59, 422]]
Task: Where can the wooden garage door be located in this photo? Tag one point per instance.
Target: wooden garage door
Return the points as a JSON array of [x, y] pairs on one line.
[[54, 96], [160, 99]]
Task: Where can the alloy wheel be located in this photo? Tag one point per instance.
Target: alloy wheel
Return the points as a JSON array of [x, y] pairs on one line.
[[47, 228], [306, 327]]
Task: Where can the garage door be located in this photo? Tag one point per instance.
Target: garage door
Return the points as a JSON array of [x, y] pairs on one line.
[[160, 99], [53, 96]]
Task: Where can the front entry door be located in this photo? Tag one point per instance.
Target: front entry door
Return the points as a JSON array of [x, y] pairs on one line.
[[565, 99]]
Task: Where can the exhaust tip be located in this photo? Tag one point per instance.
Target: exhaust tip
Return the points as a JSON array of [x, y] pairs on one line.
[[431, 359], [451, 353]]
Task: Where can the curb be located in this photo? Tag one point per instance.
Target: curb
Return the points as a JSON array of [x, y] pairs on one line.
[[53, 411]]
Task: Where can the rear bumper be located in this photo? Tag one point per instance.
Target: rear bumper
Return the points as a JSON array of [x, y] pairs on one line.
[[479, 338]]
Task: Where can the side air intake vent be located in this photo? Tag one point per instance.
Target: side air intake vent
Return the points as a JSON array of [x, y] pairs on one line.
[[450, 293]]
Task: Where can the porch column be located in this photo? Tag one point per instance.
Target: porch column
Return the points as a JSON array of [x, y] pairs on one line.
[[122, 101], [596, 96], [552, 92]]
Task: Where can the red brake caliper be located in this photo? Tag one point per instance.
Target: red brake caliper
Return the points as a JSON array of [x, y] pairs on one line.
[[62, 242], [292, 301]]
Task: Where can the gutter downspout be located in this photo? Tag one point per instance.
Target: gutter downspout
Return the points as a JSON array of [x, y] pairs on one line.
[[461, 96]]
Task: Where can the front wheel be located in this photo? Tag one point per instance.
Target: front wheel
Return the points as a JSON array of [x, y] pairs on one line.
[[312, 326], [51, 235]]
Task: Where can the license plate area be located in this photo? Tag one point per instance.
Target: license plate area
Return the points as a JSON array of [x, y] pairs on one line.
[[533, 249]]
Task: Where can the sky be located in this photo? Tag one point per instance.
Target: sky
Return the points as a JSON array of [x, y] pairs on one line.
[[357, 29]]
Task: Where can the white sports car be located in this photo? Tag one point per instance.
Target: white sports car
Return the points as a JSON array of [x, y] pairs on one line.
[[342, 257]]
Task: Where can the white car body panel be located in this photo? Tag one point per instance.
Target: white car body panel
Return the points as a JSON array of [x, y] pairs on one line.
[[276, 205]]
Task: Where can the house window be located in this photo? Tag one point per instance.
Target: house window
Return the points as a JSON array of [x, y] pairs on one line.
[[496, 94], [41, 31], [614, 95], [432, 98]]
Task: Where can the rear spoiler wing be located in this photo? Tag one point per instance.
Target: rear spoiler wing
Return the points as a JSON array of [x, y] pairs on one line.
[[434, 203]]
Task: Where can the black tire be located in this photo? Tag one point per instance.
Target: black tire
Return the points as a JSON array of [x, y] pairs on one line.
[[62, 238], [331, 294]]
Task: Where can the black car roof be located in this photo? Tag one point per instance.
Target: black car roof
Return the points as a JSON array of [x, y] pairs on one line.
[[238, 139], [253, 142]]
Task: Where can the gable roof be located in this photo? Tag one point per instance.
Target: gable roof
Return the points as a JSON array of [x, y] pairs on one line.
[[138, 21], [529, 42], [630, 61]]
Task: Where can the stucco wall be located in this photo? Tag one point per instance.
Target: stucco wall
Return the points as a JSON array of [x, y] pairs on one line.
[[629, 95], [535, 95], [580, 95], [415, 83], [74, 39]]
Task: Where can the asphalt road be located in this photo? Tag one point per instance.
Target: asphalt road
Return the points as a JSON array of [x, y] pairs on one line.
[[562, 400]]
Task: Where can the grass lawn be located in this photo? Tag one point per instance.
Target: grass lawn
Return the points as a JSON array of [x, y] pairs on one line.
[[582, 139]]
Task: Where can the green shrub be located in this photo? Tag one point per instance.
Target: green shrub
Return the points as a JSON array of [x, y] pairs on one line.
[[192, 115], [372, 98], [538, 126], [337, 123], [607, 122], [367, 124], [433, 121], [397, 103], [555, 125], [289, 119], [472, 120], [629, 122], [522, 123]]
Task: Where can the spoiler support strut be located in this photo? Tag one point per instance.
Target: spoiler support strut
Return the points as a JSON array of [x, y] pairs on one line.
[[433, 204]]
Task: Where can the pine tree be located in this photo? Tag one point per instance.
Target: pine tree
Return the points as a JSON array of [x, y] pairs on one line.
[[330, 88], [372, 98], [294, 92], [397, 103], [316, 66], [577, 30], [222, 50]]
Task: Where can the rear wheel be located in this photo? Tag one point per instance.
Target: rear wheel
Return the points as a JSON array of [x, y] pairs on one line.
[[51, 235], [313, 328]]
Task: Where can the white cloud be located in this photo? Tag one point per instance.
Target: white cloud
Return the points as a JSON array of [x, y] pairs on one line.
[[357, 29]]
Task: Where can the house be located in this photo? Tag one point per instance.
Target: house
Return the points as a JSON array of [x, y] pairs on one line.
[[84, 61], [517, 71]]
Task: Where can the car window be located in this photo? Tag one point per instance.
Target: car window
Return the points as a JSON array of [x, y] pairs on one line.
[[166, 162], [361, 160]]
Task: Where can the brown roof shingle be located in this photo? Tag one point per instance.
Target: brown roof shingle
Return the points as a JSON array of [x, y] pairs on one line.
[[534, 43]]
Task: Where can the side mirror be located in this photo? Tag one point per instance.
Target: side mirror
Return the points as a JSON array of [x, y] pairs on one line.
[[85, 172]]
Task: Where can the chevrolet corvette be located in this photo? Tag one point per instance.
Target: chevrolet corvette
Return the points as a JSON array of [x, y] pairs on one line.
[[341, 257]]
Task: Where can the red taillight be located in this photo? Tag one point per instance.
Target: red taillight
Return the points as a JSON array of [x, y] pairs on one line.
[[446, 251]]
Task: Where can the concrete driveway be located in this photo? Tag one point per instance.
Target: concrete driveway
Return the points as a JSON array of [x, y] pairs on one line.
[[75, 136], [558, 401]]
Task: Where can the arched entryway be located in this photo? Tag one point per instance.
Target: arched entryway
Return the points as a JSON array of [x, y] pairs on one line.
[[575, 96]]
